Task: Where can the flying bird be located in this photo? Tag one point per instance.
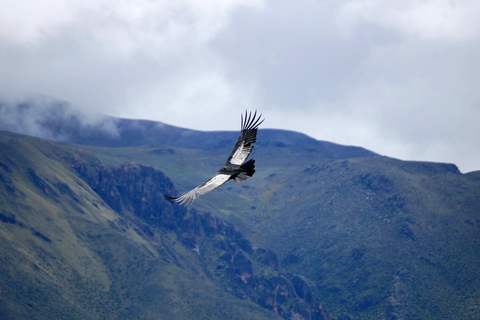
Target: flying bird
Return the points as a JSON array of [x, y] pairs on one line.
[[235, 168]]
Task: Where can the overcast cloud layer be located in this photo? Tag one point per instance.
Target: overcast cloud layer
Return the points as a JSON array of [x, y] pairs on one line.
[[397, 77]]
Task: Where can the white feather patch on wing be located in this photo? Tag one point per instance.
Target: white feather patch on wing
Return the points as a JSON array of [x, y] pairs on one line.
[[241, 154], [209, 185]]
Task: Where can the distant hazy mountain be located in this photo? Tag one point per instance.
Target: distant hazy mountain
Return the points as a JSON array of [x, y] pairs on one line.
[[322, 231], [57, 120]]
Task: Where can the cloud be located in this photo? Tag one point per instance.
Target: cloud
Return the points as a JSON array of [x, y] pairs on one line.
[[50, 118], [124, 24], [398, 78], [444, 20], [145, 59], [380, 85]]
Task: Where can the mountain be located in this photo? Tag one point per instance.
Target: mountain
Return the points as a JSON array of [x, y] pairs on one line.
[[322, 231], [58, 120], [85, 240], [386, 238]]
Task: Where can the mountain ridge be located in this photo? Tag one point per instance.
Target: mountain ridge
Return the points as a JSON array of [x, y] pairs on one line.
[[59, 121]]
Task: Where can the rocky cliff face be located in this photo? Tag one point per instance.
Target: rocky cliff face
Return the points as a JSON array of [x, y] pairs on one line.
[[250, 273], [132, 189]]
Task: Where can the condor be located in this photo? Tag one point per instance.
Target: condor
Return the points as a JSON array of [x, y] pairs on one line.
[[235, 168]]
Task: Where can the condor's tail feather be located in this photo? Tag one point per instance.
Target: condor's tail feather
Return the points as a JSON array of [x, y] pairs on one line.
[[248, 169]]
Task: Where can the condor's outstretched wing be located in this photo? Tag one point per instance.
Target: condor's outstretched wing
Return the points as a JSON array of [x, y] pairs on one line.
[[209, 185], [247, 137], [234, 168]]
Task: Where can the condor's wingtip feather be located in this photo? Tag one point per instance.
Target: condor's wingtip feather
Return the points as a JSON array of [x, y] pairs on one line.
[[171, 199], [250, 122], [180, 200]]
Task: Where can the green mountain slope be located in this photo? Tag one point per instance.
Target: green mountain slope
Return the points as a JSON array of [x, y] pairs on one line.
[[378, 237], [67, 255], [85, 240]]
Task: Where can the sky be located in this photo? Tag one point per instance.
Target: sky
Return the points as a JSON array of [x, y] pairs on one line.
[[399, 78]]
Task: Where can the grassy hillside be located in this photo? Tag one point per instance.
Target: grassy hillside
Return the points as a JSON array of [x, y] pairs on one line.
[[99, 241], [66, 254]]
